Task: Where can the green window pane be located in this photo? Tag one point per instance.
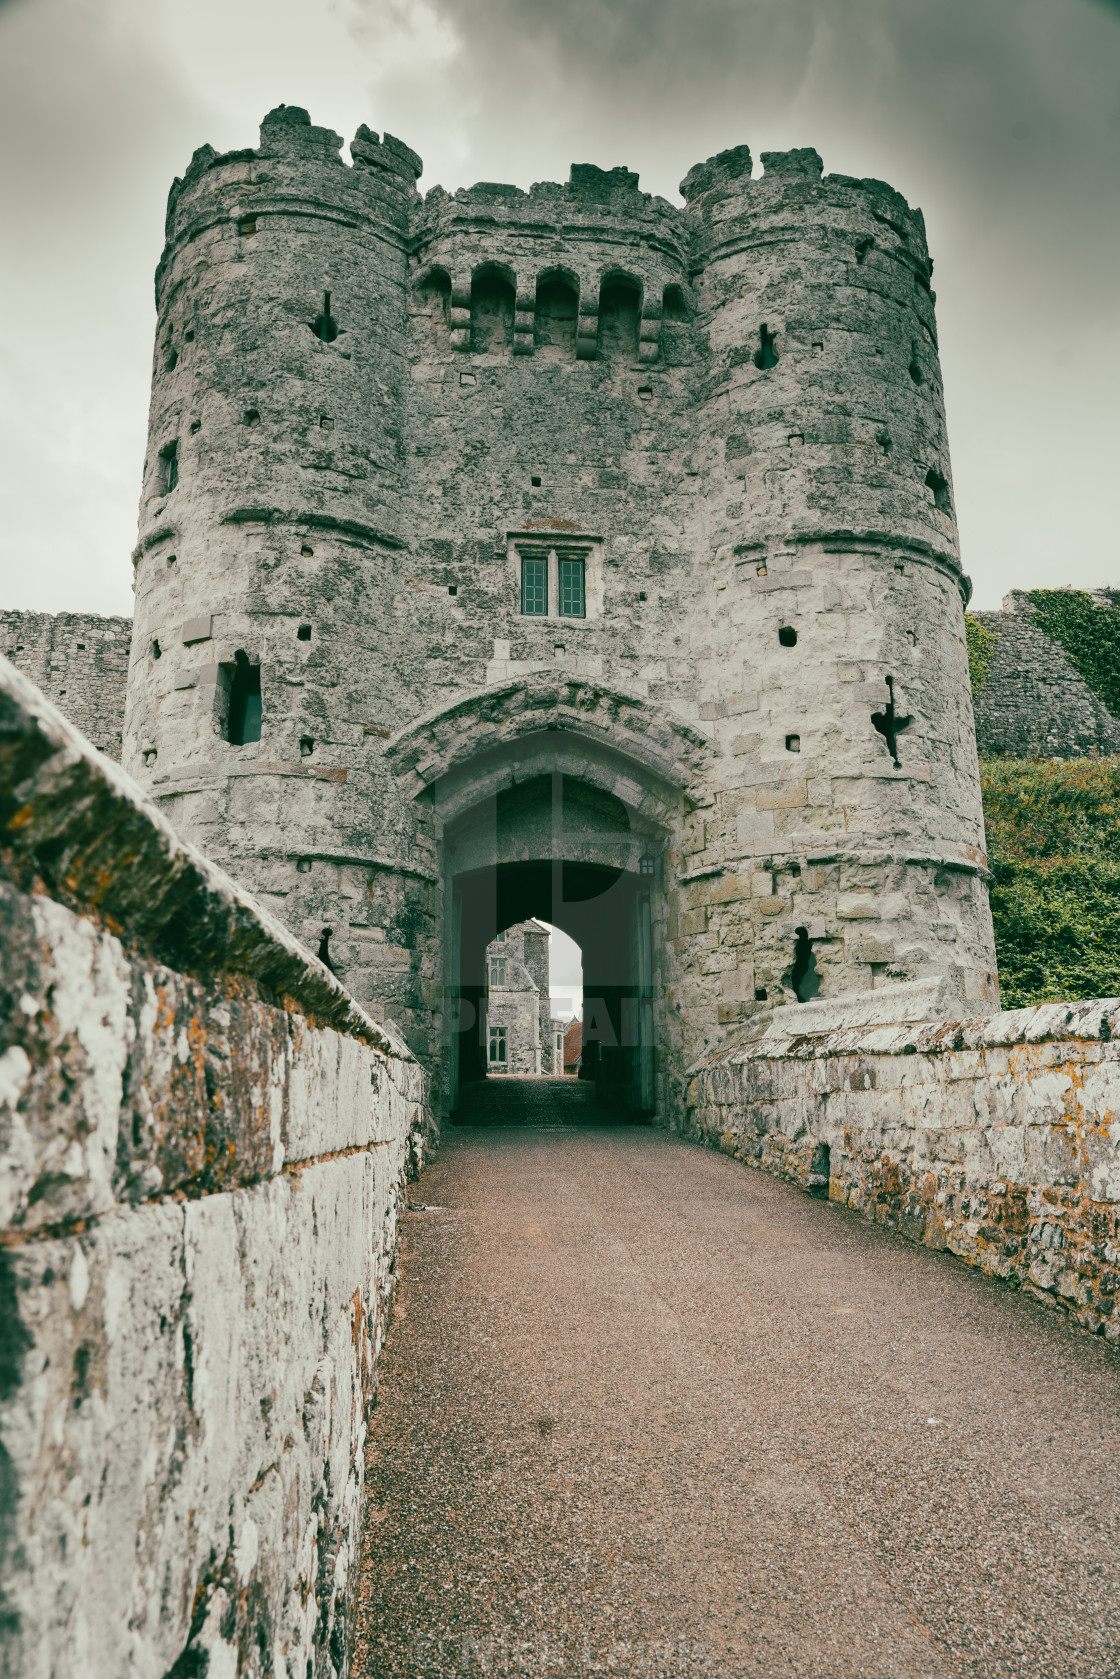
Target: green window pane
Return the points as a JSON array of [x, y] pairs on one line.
[[534, 585], [571, 589]]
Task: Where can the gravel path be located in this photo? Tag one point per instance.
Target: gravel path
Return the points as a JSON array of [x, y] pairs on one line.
[[647, 1411]]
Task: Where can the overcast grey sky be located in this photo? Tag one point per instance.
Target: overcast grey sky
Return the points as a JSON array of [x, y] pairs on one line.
[[1000, 118]]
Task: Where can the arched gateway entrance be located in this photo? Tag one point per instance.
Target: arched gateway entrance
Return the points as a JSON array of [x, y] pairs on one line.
[[608, 909], [560, 800]]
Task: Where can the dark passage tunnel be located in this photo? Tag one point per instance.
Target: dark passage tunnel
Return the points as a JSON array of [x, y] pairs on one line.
[[606, 911], [597, 885]]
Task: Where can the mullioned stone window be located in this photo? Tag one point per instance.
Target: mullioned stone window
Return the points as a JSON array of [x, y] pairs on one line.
[[554, 580]]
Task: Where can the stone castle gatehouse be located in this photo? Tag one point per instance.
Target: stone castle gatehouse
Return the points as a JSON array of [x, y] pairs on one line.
[[504, 558], [568, 554]]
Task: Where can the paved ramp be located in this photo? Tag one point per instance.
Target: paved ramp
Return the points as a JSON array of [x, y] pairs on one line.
[[646, 1411]]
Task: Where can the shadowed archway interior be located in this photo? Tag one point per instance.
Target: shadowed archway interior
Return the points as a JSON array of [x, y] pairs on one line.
[[557, 849]]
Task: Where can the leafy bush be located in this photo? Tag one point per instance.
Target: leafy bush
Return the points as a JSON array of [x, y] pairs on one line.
[[1054, 847]]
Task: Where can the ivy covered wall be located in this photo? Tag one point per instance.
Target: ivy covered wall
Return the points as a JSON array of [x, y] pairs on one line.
[[1046, 690], [1046, 675]]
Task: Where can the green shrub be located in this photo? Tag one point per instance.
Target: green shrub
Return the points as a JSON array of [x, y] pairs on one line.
[[1054, 847]]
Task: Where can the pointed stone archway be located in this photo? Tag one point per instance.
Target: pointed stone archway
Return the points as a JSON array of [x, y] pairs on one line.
[[559, 799]]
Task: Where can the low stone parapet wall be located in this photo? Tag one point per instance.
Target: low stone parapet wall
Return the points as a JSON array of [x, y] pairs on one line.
[[997, 1139], [203, 1148]]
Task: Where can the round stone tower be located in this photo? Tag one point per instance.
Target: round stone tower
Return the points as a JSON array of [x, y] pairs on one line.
[[561, 554], [273, 523], [828, 613]]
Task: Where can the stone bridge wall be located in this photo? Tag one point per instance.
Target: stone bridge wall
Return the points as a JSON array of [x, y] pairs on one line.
[[203, 1147], [996, 1139]]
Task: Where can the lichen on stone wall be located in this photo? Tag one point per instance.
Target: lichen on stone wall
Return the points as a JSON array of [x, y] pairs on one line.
[[204, 1151], [997, 1140]]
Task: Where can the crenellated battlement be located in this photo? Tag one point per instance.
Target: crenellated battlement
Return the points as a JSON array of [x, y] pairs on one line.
[[296, 171], [595, 254]]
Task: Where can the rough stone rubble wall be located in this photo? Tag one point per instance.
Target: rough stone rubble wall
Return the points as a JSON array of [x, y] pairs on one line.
[[1032, 702], [997, 1139], [80, 662], [203, 1146]]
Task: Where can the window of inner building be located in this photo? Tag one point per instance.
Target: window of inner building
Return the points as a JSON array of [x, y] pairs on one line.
[[572, 592], [534, 585], [501, 938], [498, 1044], [497, 972]]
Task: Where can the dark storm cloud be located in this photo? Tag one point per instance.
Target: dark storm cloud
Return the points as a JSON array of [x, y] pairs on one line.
[[999, 118], [991, 88]]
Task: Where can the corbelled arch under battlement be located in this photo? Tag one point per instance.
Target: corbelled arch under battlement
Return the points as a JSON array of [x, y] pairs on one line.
[[601, 291], [658, 745]]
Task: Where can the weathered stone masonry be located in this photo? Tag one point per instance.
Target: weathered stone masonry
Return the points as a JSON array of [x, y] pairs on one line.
[[733, 737], [203, 1144], [80, 661], [375, 415], [997, 1139]]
